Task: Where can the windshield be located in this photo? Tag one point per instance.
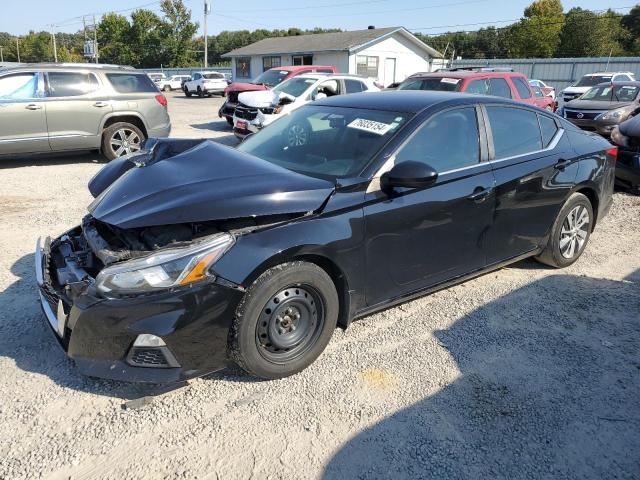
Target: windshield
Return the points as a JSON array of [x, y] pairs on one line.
[[325, 142], [590, 81], [295, 86], [611, 93], [270, 77], [212, 76], [441, 84]]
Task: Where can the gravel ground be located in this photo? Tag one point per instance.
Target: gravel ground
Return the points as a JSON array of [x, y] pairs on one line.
[[527, 372]]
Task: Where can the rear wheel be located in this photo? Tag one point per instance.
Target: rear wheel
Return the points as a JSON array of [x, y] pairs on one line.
[[285, 320], [121, 139], [200, 92], [570, 233], [166, 88]]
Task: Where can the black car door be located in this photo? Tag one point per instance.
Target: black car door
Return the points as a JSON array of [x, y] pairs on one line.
[[534, 171], [416, 238]]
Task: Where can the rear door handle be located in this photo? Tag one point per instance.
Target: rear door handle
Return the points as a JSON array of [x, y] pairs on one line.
[[101, 104], [480, 194], [33, 106], [562, 164]]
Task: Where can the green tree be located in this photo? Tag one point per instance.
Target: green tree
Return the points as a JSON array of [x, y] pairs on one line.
[[114, 36], [179, 31], [587, 34], [538, 33]]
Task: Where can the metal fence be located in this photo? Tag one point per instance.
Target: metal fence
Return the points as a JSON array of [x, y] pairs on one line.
[[190, 70], [559, 72]]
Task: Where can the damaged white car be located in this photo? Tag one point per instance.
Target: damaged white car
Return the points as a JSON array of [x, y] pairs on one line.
[[258, 109]]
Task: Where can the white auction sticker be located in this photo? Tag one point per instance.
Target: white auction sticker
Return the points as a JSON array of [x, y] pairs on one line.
[[454, 81], [370, 126]]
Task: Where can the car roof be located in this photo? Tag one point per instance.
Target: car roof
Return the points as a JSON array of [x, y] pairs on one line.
[[412, 101], [323, 76], [607, 73], [293, 68], [68, 66], [465, 74]]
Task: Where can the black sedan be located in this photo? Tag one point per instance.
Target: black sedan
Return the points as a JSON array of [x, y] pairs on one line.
[[194, 255]]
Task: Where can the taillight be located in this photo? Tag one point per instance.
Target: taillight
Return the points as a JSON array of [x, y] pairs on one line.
[[613, 152], [162, 100]]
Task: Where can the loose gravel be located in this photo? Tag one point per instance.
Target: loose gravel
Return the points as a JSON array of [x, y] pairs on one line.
[[527, 372]]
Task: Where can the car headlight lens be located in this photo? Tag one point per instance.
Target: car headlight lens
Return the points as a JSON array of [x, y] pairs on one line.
[[617, 115], [171, 267]]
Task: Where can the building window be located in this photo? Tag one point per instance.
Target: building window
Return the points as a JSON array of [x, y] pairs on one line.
[[243, 67], [270, 62], [302, 60], [367, 66]]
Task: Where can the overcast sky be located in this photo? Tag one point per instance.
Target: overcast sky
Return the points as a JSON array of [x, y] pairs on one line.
[[426, 16]]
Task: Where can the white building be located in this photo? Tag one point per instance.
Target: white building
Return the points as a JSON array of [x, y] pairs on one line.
[[387, 54]]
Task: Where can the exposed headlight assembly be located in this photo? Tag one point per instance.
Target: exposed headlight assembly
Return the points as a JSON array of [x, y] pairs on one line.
[[167, 268], [616, 115]]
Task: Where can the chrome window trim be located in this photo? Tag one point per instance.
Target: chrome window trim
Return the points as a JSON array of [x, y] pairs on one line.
[[553, 144]]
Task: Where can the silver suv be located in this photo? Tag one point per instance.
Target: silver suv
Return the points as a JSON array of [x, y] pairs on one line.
[[61, 107]]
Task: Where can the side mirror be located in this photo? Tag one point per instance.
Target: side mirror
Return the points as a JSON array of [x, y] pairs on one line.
[[409, 174]]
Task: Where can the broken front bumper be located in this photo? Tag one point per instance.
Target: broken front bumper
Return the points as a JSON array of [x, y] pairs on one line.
[[99, 334]]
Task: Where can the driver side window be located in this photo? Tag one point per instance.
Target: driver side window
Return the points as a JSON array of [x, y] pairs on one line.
[[447, 141]]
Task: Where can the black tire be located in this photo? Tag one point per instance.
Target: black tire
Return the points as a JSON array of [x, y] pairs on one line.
[[166, 88], [200, 92], [300, 289], [186, 91], [560, 241], [229, 121], [113, 133]]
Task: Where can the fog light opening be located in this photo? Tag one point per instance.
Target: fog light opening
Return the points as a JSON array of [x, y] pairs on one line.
[[148, 340]]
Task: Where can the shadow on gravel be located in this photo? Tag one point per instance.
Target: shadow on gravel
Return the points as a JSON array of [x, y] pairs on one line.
[[45, 159], [549, 384]]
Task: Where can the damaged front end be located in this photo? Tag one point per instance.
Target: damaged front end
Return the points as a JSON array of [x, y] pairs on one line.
[[133, 295]]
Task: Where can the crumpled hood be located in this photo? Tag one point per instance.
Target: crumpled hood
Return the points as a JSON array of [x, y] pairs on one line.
[[265, 98], [595, 105], [244, 87], [205, 182]]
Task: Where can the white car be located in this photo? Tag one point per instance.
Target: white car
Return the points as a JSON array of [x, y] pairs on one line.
[[591, 80], [259, 108], [547, 90], [175, 82], [156, 77], [205, 83]]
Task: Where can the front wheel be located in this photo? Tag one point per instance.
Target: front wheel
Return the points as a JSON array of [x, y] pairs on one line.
[[570, 233], [186, 91], [285, 320]]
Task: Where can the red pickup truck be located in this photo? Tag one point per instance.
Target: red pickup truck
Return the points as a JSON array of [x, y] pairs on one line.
[[484, 81], [265, 81]]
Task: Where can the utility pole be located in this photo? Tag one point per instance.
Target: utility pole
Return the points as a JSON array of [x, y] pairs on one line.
[[18, 48], [207, 10], [95, 38], [55, 49]]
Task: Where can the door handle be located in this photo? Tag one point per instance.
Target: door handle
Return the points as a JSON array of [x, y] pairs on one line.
[[33, 106], [562, 164], [101, 104], [480, 194]]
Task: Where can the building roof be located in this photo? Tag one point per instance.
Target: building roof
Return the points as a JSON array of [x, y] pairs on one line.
[[320, 42]]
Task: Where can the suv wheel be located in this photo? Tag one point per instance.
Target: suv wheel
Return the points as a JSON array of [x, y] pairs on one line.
[[166, 88], [186, 91], [121, 139]]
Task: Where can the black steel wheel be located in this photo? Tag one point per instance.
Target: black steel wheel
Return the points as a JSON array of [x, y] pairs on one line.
[[290, 323], [284, 321]]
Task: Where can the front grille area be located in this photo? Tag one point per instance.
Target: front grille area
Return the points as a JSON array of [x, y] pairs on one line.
[[246, 113], [582, 114], [148, 357]]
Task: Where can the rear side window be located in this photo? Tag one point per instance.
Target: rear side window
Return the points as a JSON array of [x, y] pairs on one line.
[[499, 87], [477, 86], [131, 83], [448, 141], [548, 128], [18, 86], [515, 131], [353, 86], [521, 87], [70, 84]]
